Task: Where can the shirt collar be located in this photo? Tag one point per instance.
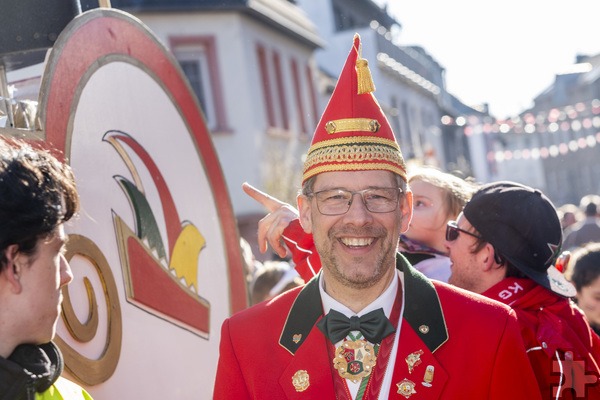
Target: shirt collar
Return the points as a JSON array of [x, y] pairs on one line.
[[385, 300]]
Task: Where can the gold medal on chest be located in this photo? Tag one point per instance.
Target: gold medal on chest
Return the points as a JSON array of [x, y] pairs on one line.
[[354, 360]]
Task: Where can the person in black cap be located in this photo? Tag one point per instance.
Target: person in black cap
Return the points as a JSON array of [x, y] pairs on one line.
[[504, 246]]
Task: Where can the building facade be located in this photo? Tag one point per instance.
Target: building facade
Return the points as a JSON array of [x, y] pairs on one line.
[[554, 145]]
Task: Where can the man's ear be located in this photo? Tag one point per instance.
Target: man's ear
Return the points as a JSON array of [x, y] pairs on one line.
[[406, 207], [488, 261], [13, 270], [304, 208]]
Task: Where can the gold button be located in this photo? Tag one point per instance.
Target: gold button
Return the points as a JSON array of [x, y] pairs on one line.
[[300, 380]]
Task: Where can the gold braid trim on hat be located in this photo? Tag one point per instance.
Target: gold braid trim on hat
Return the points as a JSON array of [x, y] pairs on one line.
[[366, 152], [354, 167], [357, 153], [354, 140]]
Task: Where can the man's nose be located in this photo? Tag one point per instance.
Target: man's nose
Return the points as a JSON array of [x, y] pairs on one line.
[[66, 275], [358, 209]]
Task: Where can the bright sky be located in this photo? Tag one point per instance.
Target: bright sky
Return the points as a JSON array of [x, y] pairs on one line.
[[503, 53]]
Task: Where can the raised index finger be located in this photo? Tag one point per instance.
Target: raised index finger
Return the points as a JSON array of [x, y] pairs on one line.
[[269, 202]]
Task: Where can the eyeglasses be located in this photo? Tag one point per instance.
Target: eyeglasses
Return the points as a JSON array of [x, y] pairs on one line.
[[452, 232], [338, 201]]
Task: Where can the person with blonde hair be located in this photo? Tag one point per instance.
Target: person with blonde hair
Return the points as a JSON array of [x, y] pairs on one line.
[[438, 197]]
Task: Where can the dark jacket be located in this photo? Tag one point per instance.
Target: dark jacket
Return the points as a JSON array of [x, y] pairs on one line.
[[29, 369]]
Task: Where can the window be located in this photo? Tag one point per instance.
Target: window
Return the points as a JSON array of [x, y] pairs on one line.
[[274, 93], [281, 92], [299, 100], [197, 58], [195, 67], [313, 97], [264, 74]]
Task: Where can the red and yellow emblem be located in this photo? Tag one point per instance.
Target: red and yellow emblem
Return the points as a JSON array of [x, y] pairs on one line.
[[406, 388], [354, 360], [413, 359]]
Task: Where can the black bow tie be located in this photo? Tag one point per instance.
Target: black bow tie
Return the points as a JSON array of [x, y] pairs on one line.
[[374, 326]]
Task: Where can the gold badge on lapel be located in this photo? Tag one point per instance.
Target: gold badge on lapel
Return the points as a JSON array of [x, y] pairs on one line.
[[428, 377], [413, 359], [297, 337], [406, 388], [300, 380], [354, 359]]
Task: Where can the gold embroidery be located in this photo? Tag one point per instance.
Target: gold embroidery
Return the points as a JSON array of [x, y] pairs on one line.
[[356, 140], [353, 153], [354, 167], [352, 125]]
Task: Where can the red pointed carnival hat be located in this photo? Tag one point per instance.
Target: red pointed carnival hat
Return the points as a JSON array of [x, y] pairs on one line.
[[353, 133]]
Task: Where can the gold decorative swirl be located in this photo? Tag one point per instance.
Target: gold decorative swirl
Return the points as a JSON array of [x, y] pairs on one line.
[[88, 371], [86, 331]]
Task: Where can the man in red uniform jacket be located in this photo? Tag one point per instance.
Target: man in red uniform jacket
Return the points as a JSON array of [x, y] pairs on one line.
[[368, 326]]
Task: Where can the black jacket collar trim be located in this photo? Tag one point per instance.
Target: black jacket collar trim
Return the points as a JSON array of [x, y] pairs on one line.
[[304, 314], [422, 308]]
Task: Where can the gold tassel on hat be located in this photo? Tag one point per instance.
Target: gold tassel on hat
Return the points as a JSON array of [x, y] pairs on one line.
[[363, 75]]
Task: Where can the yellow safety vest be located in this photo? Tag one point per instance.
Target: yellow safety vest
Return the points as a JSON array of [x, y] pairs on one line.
[[64, 389]]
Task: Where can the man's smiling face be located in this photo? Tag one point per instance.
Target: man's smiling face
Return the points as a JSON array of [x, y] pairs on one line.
[[357, 248]]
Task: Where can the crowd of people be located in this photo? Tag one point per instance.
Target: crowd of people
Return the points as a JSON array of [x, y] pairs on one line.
[[392, 282]]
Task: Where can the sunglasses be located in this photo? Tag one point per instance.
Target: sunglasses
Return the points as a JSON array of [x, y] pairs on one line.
[[453, 231]]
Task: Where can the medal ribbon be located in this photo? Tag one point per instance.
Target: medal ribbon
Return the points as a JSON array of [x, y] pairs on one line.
[[370, 386]]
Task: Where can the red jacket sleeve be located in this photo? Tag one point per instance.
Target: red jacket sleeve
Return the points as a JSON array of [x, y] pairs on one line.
[[229, 382], [302, 247]]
